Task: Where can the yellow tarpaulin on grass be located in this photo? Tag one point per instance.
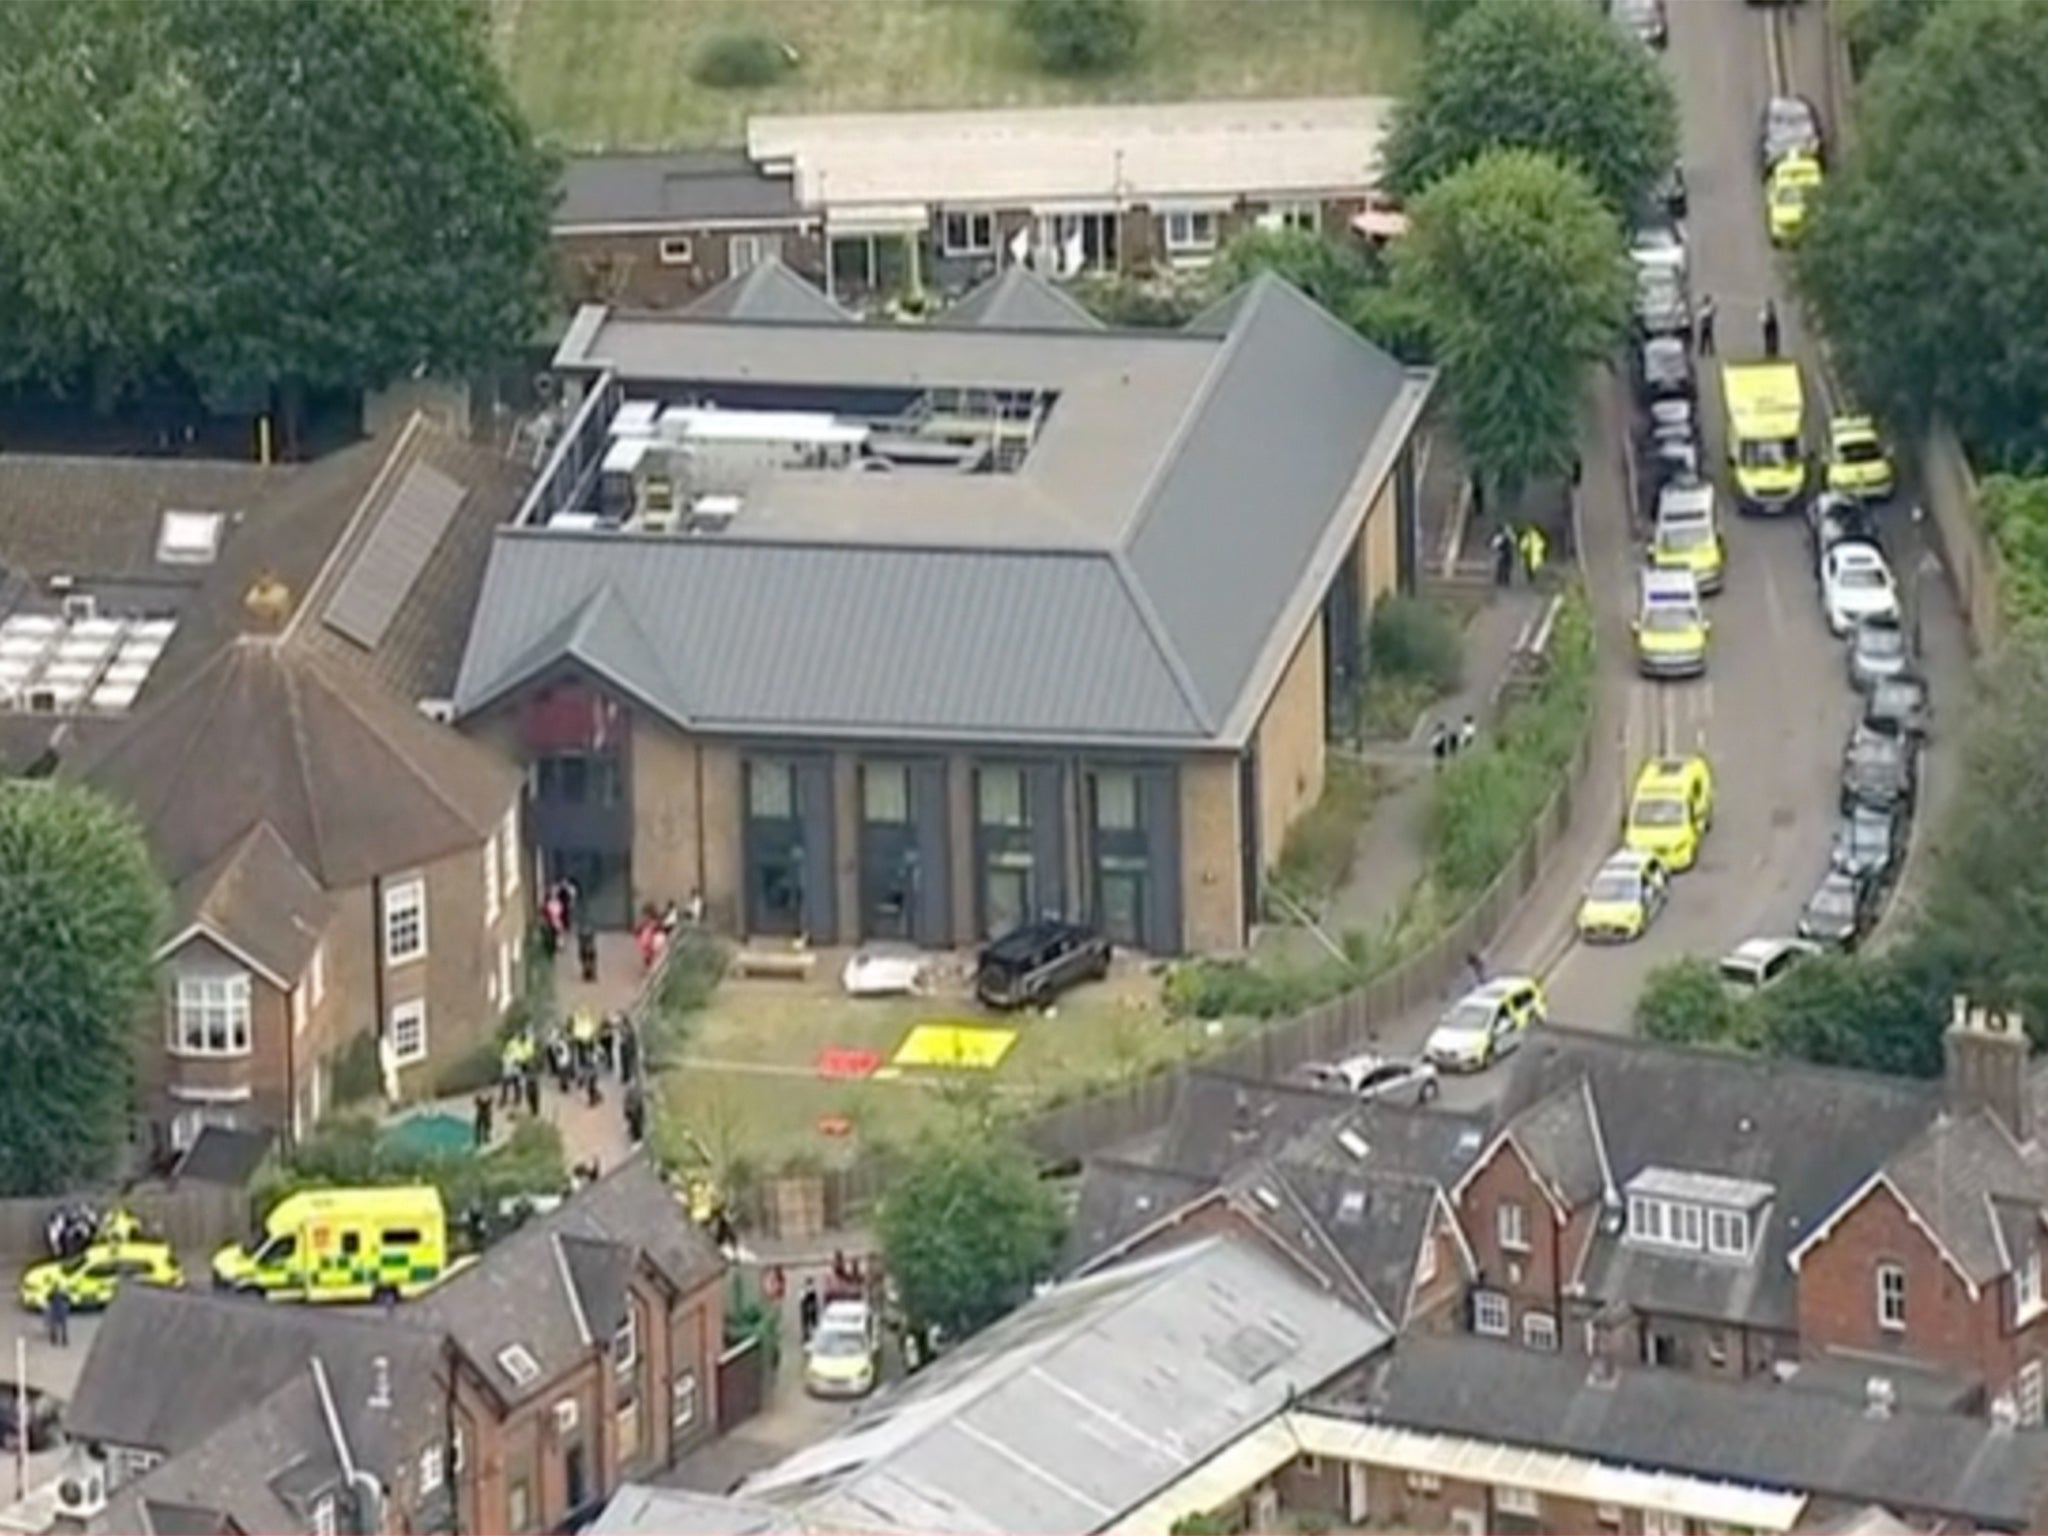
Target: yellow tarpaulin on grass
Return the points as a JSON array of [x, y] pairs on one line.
[[970, 1046]]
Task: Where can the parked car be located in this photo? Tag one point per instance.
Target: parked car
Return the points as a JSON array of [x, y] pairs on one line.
[[1030, 966], [1485, 1024], [1623, 899], [1869, 841], [1790, 127], [1877, 651], [1657, 242], [1376, 1078], [1855, 585], [1644, 20], [1842, 909], [1755, 964], [1878, 769], [1664, 369], [1833, 518], [1662, 308], [1898, 705], [840, 1355]]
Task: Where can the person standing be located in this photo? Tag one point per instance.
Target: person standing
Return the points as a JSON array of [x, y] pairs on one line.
[[480, 1120], [1468, 732], [636, 1115], [1503, 547], [629, 1052], [57, 1317], [1771, 336], [1439, 743], [533, 1092], [1475, 970], [1706, 326], [1534, 546], [586, 953], [510, 1065], [807, 1310]]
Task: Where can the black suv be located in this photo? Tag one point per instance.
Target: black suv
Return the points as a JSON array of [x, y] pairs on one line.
[[1030, 966]]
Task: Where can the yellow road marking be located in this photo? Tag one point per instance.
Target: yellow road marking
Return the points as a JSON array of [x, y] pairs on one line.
[[970, 1047]]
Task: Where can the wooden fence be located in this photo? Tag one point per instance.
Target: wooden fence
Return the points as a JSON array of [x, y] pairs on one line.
[[1975, 570], [194, 1218]]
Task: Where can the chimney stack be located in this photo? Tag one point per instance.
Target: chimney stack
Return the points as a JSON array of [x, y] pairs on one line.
[[268, 603], [1607, 1337], [1984, 1054], [1879, 1397]]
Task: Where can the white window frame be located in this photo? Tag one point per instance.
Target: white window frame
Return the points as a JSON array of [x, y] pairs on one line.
[[191, 1008], [1889, 1283], [682, 1401], [972, 221], [1301, 218], [2030, 1394], [676, 250], [432, 1470], [1186, 239], [1662, 1522], [2026, 1288], [493, 882], [508, 853], [410, 1014], [1492, 1317], [1678, 1224], [1727, 1233], [1425, 1482], [1522, 1503], [743, 253], [626, 1342], [1539, 1331], [405, 908], [316, 976], [1511, 1226]]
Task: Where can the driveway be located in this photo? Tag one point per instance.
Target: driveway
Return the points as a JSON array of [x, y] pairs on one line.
[[1773, 710]]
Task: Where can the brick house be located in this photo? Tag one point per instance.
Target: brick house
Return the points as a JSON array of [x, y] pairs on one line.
[[1934, 1260], [242, 655], [655, 231], [1028, 622], [1656, 1194], [579, 1353]]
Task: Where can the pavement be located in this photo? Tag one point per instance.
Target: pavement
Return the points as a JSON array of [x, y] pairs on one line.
[[1775, 706]]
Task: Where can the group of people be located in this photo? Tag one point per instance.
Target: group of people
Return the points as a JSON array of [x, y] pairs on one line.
[[578, 1058], [1527, 546], [1447, 741], [848, 1280], [560, 915], [1767, 322], [656, 929]]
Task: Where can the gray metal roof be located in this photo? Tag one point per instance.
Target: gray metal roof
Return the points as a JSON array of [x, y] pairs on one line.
[[1019, 299], [386, 568], [1191, 498], [671, 189], [769, 290], [1084, 1403], [1963, 1468], [1812, 1133], [639, 1509]]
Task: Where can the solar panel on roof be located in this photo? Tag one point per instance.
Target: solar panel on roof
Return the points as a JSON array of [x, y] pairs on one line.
[[391, 559]]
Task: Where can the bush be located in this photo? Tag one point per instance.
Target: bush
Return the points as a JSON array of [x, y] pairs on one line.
[[742, 61], [1416, 638], [1317, 855], [694, 968], [1684, 1003], [1238, 989], [1143, 304], [1081, 37], [1487, 800]]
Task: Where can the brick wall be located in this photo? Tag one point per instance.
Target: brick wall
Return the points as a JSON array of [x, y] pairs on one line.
[[1290, 745], [1529, 1277], [628, 269], [1212, 888]]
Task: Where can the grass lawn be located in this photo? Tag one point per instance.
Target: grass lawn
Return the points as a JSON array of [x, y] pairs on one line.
[[616, 73], [749, 1080]]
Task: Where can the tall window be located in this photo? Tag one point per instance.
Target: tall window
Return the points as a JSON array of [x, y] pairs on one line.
[[885, 793], [2027, 1394], [999, 797], [771, 790], [210, 1016], [409, 1032], [316, 975], [508, 852], [2026, 1282], [1116, 801], [405, 921], [494, 889], [1891, 1298], [683, 1402], [965, 232], [1511, 1222], [743, 253]]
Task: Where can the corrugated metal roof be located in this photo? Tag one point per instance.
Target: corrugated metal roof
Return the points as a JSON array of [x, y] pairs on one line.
[[1085, 1403], [1019, 158], [984, 643]]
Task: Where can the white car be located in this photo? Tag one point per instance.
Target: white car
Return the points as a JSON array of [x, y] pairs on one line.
[[1856, 585], [1658, 245], [1485, 1024], [1755, 964], [1375, 1078], [885, 971], [840, 1355]]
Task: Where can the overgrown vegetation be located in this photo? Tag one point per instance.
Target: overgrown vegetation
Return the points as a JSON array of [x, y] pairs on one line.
[[1316, 859], [2015, 509], [741, 61], [479, 1189], [1081, 37], [1141, 304], [695, 966], [1415, 656], [1488, 798]]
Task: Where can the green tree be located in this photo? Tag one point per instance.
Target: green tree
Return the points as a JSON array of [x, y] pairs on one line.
[[968, 1228], [1875, 27], [1337, 276], [1548, 75], [1841, 1012], [1684, 1003], [81, 911], [1520, 276], [1082, 37], [2015, 511], [1923, 260], [102, 152]]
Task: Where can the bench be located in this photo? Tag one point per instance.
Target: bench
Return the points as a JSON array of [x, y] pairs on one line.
[[1530, 659], [776, 964]]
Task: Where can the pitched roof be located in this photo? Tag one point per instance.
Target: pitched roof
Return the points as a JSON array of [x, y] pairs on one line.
[[670, 188], [1981, 1191], [1813, 1134], [1964, 1468], [257, 898], [639, 1509], [558, 1284], [353, 782], [1019, 299], [1118, 1200], [1159, 550], [1083, 1403], [769, 290]]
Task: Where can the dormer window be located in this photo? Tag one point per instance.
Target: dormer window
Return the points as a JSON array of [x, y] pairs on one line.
[[1696, 1212], [2026, 1287]]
